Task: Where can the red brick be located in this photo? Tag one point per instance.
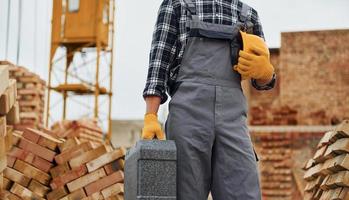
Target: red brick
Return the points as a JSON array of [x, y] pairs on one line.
[[60, 169], [75, 195], [9, 196], [38, 188], [10, 161], [104, 182], [63, 179], [88, 156], [68, 144], [24, 192], [114, 166], [113, 190], [37, 149], [105, 159], [73, 152], [21, 154], [42, 164], [16, 176], [57, 194], [31, 136], [32, 172], [85, 180], [45, 140], [6, 184]]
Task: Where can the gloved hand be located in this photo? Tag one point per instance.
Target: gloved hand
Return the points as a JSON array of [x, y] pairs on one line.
[[152, 128], [254, 65]]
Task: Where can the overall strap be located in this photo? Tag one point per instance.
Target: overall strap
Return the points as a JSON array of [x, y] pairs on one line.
[[191, 6], [244, 12], [192, 9], [246, 24]]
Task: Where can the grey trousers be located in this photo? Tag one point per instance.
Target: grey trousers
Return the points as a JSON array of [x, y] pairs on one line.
[[215, 153]]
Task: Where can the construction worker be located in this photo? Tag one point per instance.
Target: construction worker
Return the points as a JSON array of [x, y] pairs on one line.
[[201, 50]]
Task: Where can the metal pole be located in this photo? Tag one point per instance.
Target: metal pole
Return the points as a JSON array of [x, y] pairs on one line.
[[35, 27], [97, 78], [49, 79], [69, 60], [48, 93], [98, 38], [109, 133], [7, 27], [19, 30], [65, 92]]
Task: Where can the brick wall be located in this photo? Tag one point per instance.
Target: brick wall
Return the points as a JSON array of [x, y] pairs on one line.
[[313, 77]]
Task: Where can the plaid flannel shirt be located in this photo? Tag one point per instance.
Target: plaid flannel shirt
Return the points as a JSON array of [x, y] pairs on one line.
[[171, 34]]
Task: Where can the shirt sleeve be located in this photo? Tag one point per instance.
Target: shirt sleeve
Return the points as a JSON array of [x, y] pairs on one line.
[[162, 53], [258, 30]]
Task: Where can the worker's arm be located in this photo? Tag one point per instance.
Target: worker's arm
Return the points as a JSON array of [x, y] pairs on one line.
[[163, 50], [162, 55], [153, 104]]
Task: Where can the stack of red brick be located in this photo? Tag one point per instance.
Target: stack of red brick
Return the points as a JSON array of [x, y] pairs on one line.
[[6, 144], [31, 94], [284, 116], [87, 172], [41, 166], [69, 162], [259, 116], [273, 116], [276, 163], [327, 173], [29, 162], [282, 155], [281, 152], [8, 117], [83, 129]]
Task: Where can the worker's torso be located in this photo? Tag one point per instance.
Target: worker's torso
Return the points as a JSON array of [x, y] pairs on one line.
[[220, 12], [211, 50]]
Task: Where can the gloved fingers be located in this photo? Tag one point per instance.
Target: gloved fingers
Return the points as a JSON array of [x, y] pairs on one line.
[[243, 67], [245, 62], [235, 67], [244, 73], [246, 55], [259, 51], [160, 135], [147, 134]]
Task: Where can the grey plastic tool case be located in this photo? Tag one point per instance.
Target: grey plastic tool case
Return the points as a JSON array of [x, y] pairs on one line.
[[151, 171]]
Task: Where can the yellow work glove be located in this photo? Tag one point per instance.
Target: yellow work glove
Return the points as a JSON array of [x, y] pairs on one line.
[[152, 128], [254, 65]]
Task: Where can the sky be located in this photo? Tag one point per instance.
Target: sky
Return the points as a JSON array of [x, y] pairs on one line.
[[135, 21]]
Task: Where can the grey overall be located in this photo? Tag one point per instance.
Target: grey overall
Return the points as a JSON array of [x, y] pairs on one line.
[[207, 119]]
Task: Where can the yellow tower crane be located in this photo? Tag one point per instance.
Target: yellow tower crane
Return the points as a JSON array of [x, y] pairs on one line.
[[81, 61]]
